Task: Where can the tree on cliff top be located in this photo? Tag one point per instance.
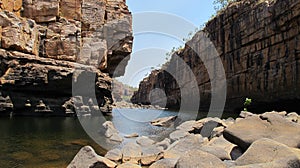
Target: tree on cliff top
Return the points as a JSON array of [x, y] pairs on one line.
[[221, 4]]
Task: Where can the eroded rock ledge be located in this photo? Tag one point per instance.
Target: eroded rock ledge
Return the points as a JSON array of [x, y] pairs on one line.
[[258, 44], [267, 140], [61, 52]]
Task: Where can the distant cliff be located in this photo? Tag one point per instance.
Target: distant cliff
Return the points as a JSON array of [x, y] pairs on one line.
[[259, 45], [46, 46]]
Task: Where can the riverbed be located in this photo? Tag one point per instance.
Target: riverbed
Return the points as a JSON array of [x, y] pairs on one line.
[[54, 141]]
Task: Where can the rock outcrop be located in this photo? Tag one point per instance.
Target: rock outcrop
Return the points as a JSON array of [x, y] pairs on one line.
[[62, 52], [258, 44], [275, 148]]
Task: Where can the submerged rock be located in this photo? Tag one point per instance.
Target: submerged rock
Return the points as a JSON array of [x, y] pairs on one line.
[[164, 122]]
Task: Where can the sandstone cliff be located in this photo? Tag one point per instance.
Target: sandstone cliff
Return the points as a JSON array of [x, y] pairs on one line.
[[50, 48], [258, 43]]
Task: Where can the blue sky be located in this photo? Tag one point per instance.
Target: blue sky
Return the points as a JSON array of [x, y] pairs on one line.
[[158, 26]]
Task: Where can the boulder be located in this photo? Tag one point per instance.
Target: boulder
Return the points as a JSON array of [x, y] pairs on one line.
[[178, 148], [269, 153], [111, 132], [150, 154], [164, 163], [187, 126], [114, 154], [164, 122], [128, 165], [294, 117], [273, 126], [245, 114], [132, 153], [144, 141], [164, 144], [178, 134], [87, 157], [198, 158]]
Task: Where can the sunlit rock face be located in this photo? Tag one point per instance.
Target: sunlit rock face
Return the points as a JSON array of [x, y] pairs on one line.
[[49, 47], [258, 45]]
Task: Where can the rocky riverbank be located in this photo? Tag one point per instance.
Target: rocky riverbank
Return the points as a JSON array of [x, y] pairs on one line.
[[263, 140]]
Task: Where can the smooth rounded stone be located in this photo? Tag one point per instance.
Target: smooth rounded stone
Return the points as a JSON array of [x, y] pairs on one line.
[[229, 163], [178, 148], [229, 121], [164, 163], [216, 132], [114, 154], [245, 114], [293, 117], [116, 138], [222, 143], [150, 155], [164, 122], [164, 144], [269, 125], [208, 125], [132, 153], [87, 157], [268, 151], [144, 141], [178, 134], [128, 165], [198, 158], [187, 126], [133, 135], [216, 151], [110, 129]]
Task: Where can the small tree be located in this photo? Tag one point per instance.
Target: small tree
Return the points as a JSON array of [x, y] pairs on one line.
[[221, 4], [247, 103]]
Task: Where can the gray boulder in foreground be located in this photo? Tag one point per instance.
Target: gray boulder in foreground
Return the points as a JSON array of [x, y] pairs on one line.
[[268, 125], [198, 158], [269, 153], [87, 157]]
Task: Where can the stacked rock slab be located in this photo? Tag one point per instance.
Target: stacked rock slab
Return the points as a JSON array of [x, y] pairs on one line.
[[59, 49], [258, 45]]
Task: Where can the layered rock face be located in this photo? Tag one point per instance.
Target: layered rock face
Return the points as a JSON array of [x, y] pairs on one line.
[[59, 49], [258, 44]]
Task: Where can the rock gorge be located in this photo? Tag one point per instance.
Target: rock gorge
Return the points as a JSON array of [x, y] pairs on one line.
[[258, 44], [61, 51]]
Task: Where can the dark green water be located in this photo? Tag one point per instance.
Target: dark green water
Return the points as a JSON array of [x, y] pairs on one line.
[[41, 142]]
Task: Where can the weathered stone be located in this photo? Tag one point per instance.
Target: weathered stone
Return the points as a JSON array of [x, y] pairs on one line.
[[111, 132], [164, 144], [128, 165], [271, 153], [178, 148], [187, 126], [133, 135], [178, 134], [164, 122], [18, 33], [132, 153], [164, 163], [87, 157], [198, 158], [144, 141], [150, 154], [273, 126], [41, 11], [114, 154]]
